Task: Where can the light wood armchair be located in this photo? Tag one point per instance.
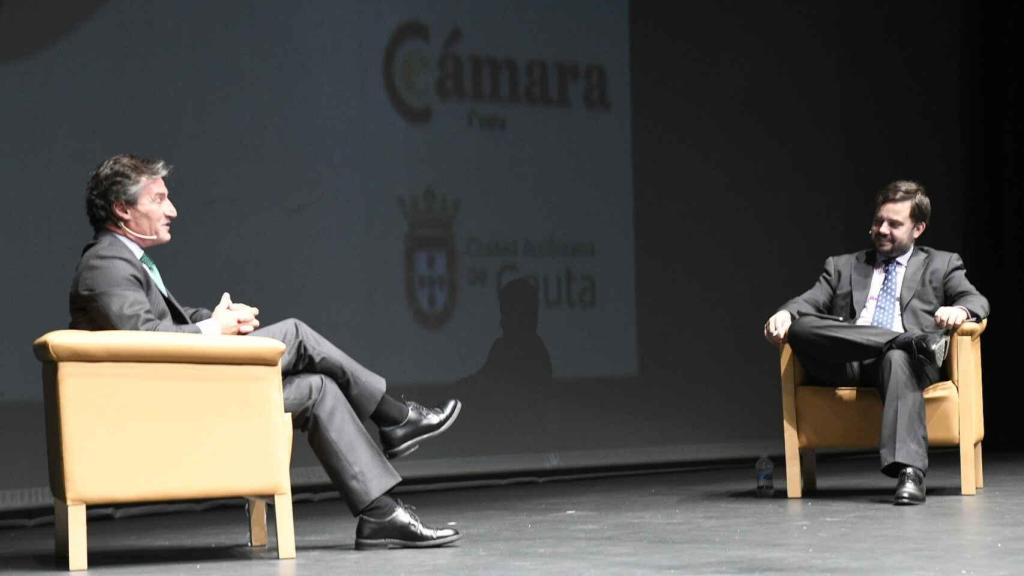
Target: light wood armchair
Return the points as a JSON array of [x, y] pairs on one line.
[[823, 417], [146, 416]]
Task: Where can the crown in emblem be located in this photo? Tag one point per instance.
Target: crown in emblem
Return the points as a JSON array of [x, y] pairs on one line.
[[430, 213]]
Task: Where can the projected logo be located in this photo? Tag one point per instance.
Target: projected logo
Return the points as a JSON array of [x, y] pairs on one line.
[[417, 76], [431, 265]]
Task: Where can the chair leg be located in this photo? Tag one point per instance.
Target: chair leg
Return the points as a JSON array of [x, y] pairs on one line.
[[257, 509], [285, 526], [968, 481], [790, 436], [979, 476], [71, 539], [809, 469], [794, 477]]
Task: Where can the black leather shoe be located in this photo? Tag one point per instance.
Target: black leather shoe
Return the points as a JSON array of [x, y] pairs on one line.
[[910, 487], [421, 424], [928, 348], [401, 530], [932, 348]]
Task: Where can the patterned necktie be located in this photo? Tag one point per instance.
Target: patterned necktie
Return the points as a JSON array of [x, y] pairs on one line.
[[888, 300], [153, 272]]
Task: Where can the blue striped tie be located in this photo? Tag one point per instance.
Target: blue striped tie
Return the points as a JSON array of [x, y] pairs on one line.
[[888, 300]]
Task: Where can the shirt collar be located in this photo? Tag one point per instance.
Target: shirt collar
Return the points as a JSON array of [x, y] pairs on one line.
[[135, 248], [902, 259], [906, 257]]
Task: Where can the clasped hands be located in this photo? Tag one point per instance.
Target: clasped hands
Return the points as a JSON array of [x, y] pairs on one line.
[[946, 317], [235, 317]]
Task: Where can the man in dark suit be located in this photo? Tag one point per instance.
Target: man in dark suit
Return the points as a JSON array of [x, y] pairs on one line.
[[118, 287], [880, 318]]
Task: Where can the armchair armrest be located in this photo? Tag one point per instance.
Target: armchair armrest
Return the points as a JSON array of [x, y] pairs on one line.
[[964, 366], [142, 346], [972, 329]]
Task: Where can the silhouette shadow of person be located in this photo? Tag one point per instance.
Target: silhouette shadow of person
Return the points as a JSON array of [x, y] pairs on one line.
[[518, 356], [515, 378]]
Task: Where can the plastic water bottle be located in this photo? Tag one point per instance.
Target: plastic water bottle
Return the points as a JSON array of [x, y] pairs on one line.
[[765, 469]]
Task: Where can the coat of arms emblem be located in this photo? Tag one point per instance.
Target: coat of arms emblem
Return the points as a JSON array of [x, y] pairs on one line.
[[431, 266]]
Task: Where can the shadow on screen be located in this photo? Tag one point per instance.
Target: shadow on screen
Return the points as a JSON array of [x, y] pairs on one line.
[[518, 357]]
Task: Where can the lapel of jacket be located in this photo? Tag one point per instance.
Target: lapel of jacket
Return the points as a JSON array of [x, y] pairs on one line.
[[863, 268], [912, 277], [176, 308], [177, 314], [172, 305]]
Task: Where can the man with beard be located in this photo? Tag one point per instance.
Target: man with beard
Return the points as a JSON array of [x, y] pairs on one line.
[[881, 318]]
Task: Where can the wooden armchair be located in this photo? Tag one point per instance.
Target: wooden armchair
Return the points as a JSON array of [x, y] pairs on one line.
[[824, 417], [146, 416]]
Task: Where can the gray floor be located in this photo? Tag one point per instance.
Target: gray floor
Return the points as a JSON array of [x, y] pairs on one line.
[[691, 522]]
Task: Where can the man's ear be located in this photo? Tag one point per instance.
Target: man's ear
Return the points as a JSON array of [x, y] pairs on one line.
[[919, 229], [121, 210]]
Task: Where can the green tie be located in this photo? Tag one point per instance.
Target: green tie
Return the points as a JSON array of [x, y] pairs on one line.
[[153, 272]]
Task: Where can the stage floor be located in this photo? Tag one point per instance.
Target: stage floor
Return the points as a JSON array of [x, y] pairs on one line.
[[704, 521]]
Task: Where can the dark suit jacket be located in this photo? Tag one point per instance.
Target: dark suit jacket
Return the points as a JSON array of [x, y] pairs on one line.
[[933, 278], [113, 291]]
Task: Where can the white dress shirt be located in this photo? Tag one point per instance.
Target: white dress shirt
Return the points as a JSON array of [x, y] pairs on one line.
[[876, 286]]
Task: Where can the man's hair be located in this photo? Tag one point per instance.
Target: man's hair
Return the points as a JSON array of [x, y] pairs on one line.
[[903, 190], [118, 179]]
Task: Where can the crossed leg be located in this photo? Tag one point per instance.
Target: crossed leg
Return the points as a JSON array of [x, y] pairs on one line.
[[841, 354]]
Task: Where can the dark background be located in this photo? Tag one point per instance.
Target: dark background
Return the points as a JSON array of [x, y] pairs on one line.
[[771, 145], [761, 132], [994, 212]]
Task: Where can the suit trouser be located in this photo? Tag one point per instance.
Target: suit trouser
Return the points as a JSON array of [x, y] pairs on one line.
[[329, 395], [840, 354]]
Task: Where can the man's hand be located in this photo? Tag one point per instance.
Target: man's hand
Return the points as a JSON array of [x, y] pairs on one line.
[[235, 317], [950, 317], [776, 328]]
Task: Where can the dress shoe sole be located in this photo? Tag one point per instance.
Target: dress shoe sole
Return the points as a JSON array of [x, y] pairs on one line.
[[392, 543], [403, 450], [906, 499], [939, 351], [411, 445]]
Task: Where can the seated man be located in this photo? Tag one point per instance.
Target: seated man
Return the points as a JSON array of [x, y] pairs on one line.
[[117, 286], [879, 318]]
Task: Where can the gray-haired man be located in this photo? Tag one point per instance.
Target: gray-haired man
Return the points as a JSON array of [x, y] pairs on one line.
[[117, 286]]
